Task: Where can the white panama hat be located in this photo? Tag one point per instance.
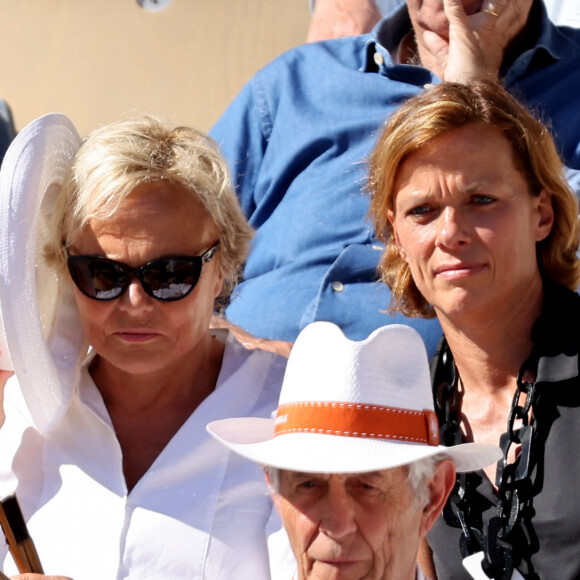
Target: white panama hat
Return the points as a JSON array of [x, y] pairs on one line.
[[41, 337], [350, 407]]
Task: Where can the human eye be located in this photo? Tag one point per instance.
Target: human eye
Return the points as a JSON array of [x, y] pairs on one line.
[[306, 484], [308, 490], [482, 199], [366, 487], [419, 210]]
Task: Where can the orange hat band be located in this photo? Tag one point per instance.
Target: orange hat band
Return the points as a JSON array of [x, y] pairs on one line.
[[358, 420]]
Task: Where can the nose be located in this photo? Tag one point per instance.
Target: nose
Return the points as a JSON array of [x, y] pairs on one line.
[[338, 517], [135, 300], [452, 229]]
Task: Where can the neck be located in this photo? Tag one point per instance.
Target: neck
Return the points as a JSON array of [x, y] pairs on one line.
[[489, 350], [189, 376], [407, 51], [147, 410]]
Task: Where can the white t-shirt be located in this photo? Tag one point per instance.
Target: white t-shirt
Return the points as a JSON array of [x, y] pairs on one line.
[[199, 512]]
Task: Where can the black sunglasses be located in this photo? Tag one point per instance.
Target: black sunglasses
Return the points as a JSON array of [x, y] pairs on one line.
[[166, 279]]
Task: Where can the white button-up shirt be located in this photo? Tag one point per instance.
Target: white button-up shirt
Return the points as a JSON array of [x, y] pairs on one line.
[[198, 512]]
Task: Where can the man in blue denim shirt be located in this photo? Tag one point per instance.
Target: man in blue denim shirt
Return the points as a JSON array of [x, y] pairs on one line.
[[297, 136]]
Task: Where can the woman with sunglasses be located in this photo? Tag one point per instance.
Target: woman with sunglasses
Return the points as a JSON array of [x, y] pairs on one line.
[[148, 238]]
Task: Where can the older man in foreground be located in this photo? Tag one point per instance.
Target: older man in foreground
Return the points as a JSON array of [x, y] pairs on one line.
[[353, 456]]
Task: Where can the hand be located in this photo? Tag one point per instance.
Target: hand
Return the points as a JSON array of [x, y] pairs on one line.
[[338, 18], [280, 347], [477, 43]]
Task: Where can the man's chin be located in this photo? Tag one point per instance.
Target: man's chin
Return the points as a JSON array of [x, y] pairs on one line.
[[338, 570]]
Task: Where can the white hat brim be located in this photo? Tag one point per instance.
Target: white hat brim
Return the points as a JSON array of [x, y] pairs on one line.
[[252, 438], [41, 337]]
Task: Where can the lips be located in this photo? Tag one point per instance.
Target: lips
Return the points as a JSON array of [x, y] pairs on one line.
[[458, 270], [136, 336]]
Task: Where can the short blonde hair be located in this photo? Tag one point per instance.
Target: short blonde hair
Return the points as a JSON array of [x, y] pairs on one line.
[[115, 159], [442, 109]]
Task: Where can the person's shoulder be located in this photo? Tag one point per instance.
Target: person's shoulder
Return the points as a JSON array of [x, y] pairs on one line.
[[557, 327], [562, 41], [570, 33], [251, 375], [262, 370], [346, 51], [263, 363], [561, 296]]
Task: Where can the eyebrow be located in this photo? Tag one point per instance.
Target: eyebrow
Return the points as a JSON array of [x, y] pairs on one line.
[[467, 188], [369, 475], [471, 187], [301, 474]]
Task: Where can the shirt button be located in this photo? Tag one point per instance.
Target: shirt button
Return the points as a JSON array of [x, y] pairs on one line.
[[337, 286], [378, 58]]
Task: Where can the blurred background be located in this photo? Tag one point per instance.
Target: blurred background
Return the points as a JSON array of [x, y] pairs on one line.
[[99, 60]]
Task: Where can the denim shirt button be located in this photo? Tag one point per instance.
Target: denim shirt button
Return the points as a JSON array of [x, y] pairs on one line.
[[378, 58], [337, 286]]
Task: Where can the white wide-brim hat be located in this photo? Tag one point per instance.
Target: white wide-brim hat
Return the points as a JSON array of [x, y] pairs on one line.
[[351, 407], [41, 337]]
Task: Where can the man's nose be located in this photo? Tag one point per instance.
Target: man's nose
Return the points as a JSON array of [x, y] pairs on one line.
[[338, 520]]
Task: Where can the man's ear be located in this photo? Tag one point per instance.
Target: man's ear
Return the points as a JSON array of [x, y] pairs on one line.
[[391, 216], [439, 488]]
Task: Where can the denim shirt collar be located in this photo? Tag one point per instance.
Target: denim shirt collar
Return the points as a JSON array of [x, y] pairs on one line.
[[385, 39], [542, 43], [383, 42]]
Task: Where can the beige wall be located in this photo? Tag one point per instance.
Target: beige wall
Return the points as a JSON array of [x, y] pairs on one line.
[[97, 60]]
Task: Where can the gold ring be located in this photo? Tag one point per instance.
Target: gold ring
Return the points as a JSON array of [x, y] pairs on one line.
[[490, 12]]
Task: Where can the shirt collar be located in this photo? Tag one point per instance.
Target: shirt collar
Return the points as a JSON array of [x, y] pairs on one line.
[[382, 45], [540, 44], [385, 38]]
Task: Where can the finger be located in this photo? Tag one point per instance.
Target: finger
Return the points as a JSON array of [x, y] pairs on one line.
[[514, 12], [511, 18], [454, 11], [437, 46]]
